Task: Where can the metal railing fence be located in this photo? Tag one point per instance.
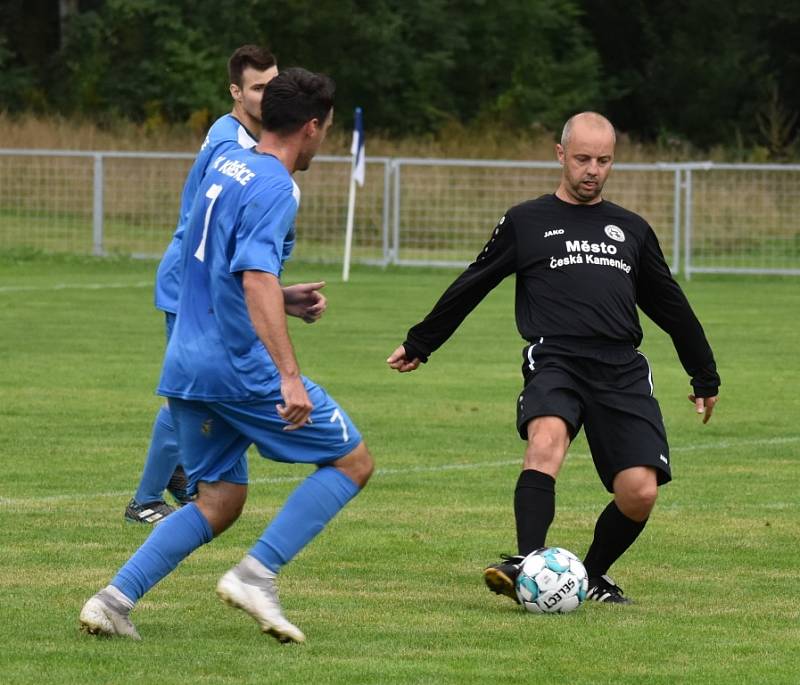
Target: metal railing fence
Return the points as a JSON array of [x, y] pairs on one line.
[[445, 209], [710, 218]]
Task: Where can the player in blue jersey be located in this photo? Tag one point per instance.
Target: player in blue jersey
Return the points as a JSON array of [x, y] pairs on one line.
[[232, 378], [250, 68]]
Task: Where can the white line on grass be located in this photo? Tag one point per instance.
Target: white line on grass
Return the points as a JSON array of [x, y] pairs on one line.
[[719, 445], [72, 286]]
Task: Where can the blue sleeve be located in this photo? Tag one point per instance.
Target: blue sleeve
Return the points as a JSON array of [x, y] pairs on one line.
[[263, 232]]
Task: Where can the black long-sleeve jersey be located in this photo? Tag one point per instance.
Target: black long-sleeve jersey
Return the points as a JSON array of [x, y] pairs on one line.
[[581, 270]]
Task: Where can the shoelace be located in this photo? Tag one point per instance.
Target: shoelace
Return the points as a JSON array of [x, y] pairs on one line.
[[512, 558]]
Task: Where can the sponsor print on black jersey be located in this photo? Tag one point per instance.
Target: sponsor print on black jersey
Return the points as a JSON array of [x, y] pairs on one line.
[[585, 252]]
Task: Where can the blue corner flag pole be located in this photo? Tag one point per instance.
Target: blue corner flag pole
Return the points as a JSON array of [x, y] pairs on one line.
[[356, 176]]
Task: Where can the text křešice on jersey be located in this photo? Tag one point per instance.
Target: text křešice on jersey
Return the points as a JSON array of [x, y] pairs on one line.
[[227, 133], [242, 219]]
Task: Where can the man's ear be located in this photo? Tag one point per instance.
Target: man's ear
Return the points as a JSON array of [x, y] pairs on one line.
[[236, 92]]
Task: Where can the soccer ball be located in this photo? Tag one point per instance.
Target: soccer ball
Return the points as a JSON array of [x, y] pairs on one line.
[[551, 580]]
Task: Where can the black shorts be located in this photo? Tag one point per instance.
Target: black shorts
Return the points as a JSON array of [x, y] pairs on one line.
[[610, 394]]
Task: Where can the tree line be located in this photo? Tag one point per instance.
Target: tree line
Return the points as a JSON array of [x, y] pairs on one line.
[[708, 73]]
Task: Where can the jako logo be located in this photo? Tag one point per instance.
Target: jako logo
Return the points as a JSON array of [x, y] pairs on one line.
[[615, 233], [554, 231]]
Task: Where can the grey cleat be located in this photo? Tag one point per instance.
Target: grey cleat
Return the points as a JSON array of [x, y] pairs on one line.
[[104, 615], [258, 596]]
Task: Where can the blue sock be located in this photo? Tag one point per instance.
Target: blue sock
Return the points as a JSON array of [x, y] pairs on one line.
[[162, 458], [171, 541], [312, 504]]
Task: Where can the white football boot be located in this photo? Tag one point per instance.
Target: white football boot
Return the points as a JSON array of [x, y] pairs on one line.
[[105, 614], [250, 586]]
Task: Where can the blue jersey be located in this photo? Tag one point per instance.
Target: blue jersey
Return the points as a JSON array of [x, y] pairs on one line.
[[227, 133], [242, 219]]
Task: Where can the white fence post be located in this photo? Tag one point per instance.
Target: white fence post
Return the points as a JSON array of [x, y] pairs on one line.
[[687, 232], [386, 212], [676, 223], [396, 223], [97, 206]]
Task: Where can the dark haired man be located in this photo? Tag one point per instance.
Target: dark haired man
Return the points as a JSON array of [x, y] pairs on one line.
[[232, 378], [582, 265], [250, 69]]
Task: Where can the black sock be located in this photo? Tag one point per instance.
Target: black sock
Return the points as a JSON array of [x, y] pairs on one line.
[[534, 509], [613, 534]]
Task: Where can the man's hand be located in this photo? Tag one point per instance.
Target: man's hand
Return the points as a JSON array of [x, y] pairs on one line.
[[296, 407], [704, 405], [397, 360], [305, 301]]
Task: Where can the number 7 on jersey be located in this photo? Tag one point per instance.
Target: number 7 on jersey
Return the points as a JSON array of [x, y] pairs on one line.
[[212, 194]]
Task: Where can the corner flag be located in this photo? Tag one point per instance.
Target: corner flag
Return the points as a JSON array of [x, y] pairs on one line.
[[357, 148], [356, 176]]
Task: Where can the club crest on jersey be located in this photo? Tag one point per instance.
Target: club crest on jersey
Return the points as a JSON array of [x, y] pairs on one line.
[[615, 233], [553, 231]]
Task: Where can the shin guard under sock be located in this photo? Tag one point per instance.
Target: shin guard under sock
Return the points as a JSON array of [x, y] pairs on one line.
[[613, 534], [534, 509]]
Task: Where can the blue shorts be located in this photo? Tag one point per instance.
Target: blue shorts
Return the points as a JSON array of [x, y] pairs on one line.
[[214, 436]]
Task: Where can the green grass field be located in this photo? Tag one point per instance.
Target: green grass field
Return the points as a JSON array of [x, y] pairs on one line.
[[392, 591]]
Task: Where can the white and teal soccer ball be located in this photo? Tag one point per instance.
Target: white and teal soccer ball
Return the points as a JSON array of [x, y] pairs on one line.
[[551, 580]]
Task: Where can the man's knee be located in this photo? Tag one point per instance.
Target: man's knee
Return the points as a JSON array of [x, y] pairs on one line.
[[636, 491], [357, 466], [221, 503], [548, 441]]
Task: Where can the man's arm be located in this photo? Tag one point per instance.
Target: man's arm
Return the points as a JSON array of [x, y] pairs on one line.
[[497, 260], [661, 298], [266, 306]]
